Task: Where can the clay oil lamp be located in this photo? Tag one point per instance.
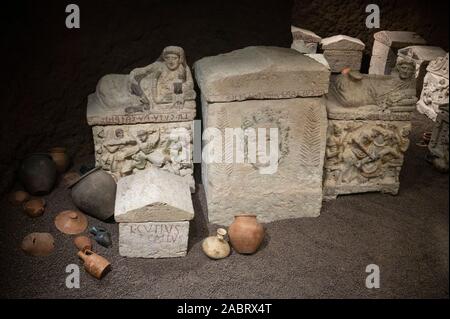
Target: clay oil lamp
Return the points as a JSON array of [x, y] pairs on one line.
[[38, 244], [34, 207]]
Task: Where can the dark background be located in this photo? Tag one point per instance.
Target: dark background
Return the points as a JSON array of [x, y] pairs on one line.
[[50, 70]]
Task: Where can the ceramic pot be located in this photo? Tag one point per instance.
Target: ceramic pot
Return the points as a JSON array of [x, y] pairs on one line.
[[71, 222], [38, 244], [246, 234], [18, 198], [34, 208], [216, 247], [38, 174], [101, 236], [94, 264], [95, 193], [82, 243], [60, 158]]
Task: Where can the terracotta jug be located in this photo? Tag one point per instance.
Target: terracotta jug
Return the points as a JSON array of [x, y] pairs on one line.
[[94, 264], [83, 243], [246, 234], [60, 158], [216, 247]]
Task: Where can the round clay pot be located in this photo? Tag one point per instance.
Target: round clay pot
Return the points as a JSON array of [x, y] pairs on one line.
[[94, 264], [34, 207], [95, 193], [71, 222], [60, 158], [38, 174], [216, 247], [82, 243], [18, 198], [246, 234], [38, 244]]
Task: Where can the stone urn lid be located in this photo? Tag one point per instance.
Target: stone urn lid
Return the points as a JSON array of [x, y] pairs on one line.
[[71, 222]]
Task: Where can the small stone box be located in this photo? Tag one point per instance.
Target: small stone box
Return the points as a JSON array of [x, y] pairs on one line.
[[154, 239]]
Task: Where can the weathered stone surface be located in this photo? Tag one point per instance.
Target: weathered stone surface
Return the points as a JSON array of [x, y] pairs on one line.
[[304, 41], [342, 42], [364, 156], [319, 58], [124, 149], [160, 92], [421, 55], [340, 59], [385, 47], [153, 239], [435, 90], [295, 188], [398, 39], [438, 145], [153, 195], [375, 97], [260, 73]]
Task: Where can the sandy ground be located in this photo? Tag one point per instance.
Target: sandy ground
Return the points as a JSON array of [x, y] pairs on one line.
[[325, 257]]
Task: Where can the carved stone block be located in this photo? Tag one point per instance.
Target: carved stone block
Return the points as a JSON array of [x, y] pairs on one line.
[[435, 90], [364, 156], [295, 189], [385, 48], [341, 59], [260, 73], [153, 239], [304, 41], [153, 195], [126, 149], [438, 145]]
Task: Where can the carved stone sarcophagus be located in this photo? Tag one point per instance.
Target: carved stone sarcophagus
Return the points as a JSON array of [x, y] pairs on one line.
[[279, 91], [369, 126], [144, 119]]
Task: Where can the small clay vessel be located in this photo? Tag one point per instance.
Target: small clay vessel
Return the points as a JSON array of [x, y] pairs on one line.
[[101, 236], [95, 193], [38, 174], [70, 177], [38, 244], [246, 234], [18, 198], [71, 222], [94, 264], [216, 247], [34, 207], [82, 243], [60, 158]]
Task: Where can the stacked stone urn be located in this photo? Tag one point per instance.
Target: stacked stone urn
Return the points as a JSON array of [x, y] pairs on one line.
[[142, 125], [272, 88], [368, 133]]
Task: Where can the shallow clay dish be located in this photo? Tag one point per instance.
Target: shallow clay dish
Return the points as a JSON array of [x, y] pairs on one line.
[[71, 222]]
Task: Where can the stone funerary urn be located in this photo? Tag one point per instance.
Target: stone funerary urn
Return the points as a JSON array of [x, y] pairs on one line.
[[270, 88]]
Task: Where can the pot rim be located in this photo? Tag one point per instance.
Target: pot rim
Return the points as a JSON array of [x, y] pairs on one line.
[[83, 176], [246, 215]]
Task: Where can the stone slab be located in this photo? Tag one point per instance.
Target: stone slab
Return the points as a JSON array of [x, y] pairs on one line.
[[295, 188], [153, 239], [304, 47], [260, 73], [399, 39], [153, 195], [339, 60], [319, 58], [342, 42]]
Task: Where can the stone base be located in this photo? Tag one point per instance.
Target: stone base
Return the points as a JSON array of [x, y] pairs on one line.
[[153, 239], [331, 192]]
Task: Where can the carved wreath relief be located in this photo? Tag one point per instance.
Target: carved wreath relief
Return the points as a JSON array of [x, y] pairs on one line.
[[124, 149], [362, 153]]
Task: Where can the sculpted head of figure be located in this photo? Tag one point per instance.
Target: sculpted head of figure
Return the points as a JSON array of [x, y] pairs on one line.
[[142, 135], [406, 69], [337, 130], [173, 57], [119, 133]]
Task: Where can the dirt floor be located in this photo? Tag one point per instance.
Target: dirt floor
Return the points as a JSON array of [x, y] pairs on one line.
[[325, 257]]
